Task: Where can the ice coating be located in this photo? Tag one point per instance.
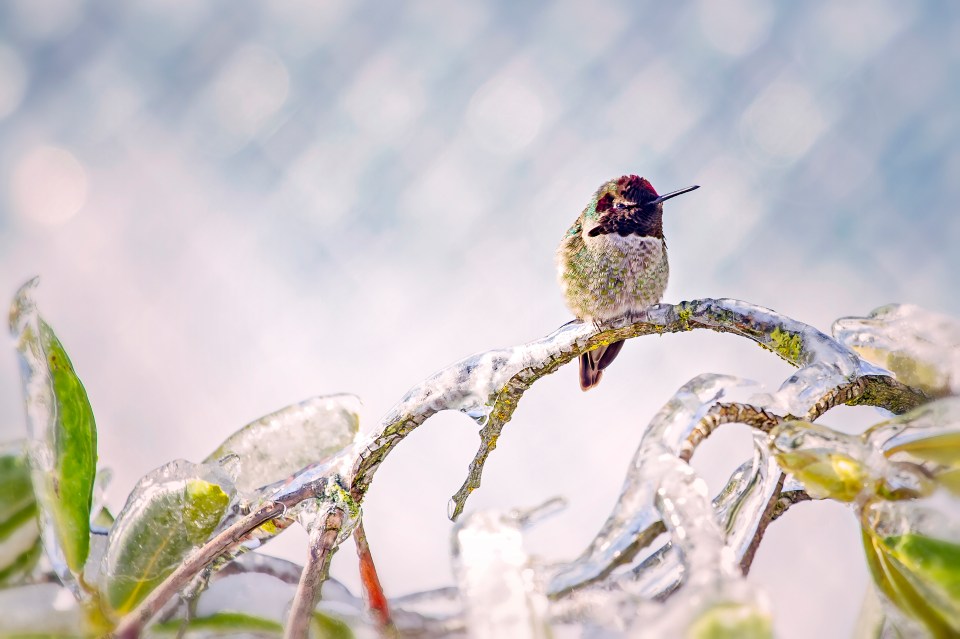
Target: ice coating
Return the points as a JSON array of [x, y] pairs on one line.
[[38, 395], [470, 386], [281, 443], [500, 594], [489, 385], [712, 580], [633, 522], [913, 548], [741, 505], [921, 347], [921, 434]]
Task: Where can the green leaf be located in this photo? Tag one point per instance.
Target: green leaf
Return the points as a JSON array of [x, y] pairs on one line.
[[63, 433], [731, 621], [168, 515], [16, 489], [323, 626], [921, 576], [20, 545], [941, 449], [220, 623], [76, 452], [825, 474]]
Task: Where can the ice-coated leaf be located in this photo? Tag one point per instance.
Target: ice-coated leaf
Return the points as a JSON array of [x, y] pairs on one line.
[[731, 621], [172, 510], [929, 435], [914, 556], [920, 347], [283, 442], [20, 544], [827, 463], [323, 626], [220, 624], [63, 447]]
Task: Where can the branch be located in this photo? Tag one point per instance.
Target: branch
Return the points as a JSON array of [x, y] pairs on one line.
[[323, 543], [489, 385]]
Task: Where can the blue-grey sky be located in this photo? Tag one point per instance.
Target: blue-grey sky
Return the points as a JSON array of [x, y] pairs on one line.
[[235, 205]]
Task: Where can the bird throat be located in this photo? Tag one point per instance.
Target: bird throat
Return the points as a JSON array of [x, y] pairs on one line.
[[645, 222]]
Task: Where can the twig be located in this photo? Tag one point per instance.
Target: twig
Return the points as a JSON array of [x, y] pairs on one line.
[[747, 559], [787, 499], [372, 590], [323, 542], [728, 413]]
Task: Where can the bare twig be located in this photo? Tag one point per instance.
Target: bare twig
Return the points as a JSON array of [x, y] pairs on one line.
[[372, 590], [747, 559], [323, 543]]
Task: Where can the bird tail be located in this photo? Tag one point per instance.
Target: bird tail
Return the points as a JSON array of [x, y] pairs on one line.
[[593, 362]]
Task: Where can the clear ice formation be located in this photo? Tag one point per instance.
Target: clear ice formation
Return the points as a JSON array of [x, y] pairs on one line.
[[920, 347], [283, 442], [496, 580], [488, 386]]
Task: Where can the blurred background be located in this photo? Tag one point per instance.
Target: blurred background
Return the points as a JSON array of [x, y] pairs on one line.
[[236, 205]]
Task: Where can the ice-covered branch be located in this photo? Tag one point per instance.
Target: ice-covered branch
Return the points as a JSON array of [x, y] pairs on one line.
[[489, 385]]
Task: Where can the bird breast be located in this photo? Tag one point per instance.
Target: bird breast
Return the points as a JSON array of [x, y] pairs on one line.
[[616, 275]]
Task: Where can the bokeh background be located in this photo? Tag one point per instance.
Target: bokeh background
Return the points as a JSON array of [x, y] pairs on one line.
[[235, 205]]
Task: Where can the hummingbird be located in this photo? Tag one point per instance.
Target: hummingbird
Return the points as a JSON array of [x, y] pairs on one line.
[[613, 261]]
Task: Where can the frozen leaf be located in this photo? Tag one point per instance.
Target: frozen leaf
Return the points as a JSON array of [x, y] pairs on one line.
[[221, 624], [920, 347], [914, 557], [63, 447], [731, 621], [171, 511], [20, 545], [927, 436], [281, 443], [323, 626], [827, 463]]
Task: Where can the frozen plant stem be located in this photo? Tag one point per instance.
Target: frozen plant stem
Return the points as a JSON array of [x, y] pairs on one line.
[[373, 591], [323, 543]]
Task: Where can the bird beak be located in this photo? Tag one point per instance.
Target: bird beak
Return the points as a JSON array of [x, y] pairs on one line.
[[664, 198]]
